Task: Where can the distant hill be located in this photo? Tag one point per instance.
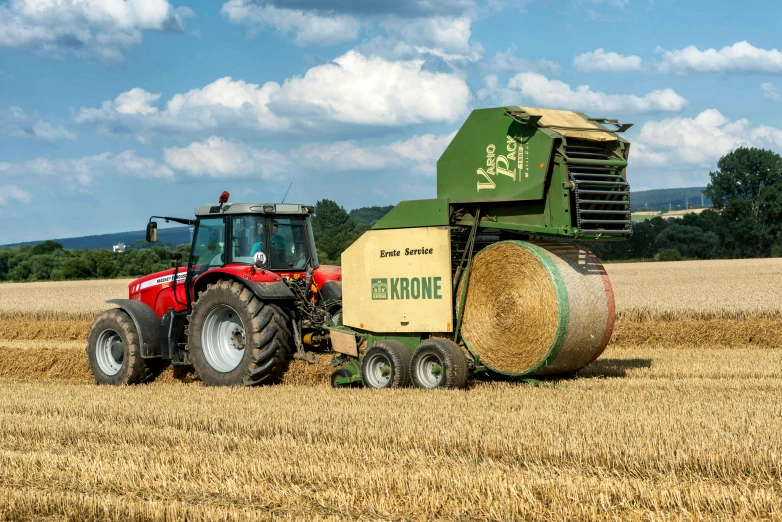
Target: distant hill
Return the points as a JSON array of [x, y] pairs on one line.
[[369, 215], [677, 197], [166, 236]]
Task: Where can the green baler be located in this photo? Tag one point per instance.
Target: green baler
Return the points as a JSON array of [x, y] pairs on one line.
[[489, 277]]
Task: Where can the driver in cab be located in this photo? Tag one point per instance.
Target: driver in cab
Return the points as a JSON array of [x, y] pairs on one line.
[[277, 243]]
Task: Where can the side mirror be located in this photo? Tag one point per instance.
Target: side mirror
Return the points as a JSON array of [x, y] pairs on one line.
[[175, 256], [151, 232]]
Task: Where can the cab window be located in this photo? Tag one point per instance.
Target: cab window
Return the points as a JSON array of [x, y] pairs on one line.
[[288, 243], [249, 237], [209, 244]]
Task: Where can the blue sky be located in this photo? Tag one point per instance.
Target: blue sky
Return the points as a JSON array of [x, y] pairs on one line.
[[113, 110]]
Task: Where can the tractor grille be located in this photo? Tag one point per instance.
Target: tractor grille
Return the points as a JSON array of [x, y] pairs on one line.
[[601, 195]]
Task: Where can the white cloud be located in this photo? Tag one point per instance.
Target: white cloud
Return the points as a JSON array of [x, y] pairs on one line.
[[601, 61], [136, 101], [425, 149], [438, 34], [11, 193], [353, 89], [507, 61], [308, 27], [83, 171], [218, 157], [16, 123], [555, 94], [418, 153], [373, 91], [740, 57], [98, 28], [771, 92], [698, 141]]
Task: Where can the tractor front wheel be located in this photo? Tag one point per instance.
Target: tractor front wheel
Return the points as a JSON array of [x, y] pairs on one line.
[[114, 351], [235, 338]]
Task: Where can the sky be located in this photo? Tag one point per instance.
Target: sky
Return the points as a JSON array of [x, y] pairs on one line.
[[112, 111]]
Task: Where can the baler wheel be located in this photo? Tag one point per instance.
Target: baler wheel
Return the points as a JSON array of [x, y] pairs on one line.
[[235, 338], [386, 364], [114, 351], [338, 375], [439, 363]]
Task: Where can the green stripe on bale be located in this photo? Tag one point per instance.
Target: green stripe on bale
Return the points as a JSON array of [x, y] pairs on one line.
[[563, 303], [588, 322]]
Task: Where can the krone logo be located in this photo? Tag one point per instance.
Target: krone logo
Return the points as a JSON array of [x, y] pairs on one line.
[[379, 289]]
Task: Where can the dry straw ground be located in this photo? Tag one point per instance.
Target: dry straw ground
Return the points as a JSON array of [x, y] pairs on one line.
[[679, 419]]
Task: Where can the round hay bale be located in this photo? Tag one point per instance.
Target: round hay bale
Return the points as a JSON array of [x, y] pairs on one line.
[[536, 308]]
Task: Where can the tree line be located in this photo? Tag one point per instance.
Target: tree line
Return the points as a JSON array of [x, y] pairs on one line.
[[333, 227], [746, 221]]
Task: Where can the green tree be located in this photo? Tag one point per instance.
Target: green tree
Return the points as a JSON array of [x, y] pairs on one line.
[[690, 241], [101, 263], [5, 255], [334, 231], [74, 268], [47, 247], [668, 254], [745, 188]]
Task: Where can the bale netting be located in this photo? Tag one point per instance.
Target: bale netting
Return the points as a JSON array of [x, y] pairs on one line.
[[536, 308]]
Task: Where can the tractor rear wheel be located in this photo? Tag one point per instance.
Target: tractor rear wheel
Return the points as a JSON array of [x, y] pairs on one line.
[[386, 364], [235, 338], [114, 351], [439, 363]]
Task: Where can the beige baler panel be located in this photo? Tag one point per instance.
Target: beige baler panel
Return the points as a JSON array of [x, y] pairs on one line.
[[399, 280], [566, 123]]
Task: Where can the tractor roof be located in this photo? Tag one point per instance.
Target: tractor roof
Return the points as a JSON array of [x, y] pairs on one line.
[[254, 208]]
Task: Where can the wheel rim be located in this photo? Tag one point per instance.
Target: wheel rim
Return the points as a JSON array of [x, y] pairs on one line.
[[378, 370], [223, 339], [429, 370], [109, 352]]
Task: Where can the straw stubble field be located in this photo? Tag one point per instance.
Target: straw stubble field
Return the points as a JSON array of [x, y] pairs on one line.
[[679, 419]]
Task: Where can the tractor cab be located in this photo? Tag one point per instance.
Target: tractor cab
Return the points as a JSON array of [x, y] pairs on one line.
[[271, 237]]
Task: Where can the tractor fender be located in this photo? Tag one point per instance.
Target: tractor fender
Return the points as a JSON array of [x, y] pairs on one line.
[[274, 291], [147, 325], [266, 291]]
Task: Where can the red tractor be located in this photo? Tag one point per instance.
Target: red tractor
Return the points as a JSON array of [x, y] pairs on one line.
[[252, 295]]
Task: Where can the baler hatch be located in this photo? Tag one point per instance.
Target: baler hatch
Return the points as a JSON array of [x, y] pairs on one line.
[[540, 171]]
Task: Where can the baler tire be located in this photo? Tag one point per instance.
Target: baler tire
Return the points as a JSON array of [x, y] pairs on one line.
[[451, 359], [338, 375], [108, 327], [265, 345], [396, 355]]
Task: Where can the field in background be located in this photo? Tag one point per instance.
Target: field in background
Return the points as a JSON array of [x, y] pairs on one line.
[[643, 215], [679, 419]]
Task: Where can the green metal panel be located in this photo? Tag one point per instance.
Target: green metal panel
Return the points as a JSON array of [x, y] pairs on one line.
[[411, 340], [495, 157], [416, 213]]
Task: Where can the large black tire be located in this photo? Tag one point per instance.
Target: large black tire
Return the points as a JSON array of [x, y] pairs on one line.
[[442, 353], [384, 356], [114, 351], [265, 336]]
